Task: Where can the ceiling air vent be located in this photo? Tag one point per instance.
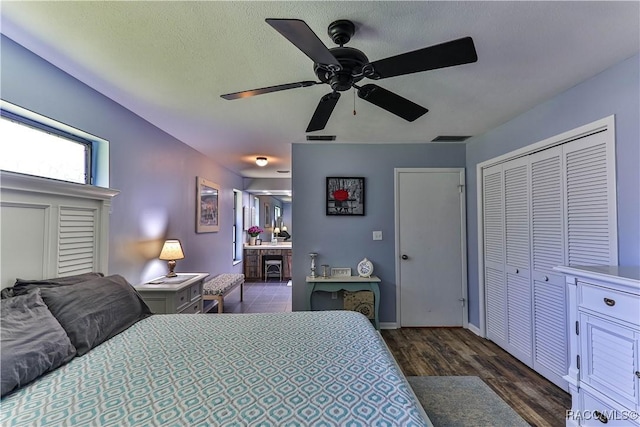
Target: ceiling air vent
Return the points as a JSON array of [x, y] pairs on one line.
[[450, 138], [321, 137]]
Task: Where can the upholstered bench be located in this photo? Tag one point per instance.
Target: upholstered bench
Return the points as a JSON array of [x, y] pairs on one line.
[[220, 286]]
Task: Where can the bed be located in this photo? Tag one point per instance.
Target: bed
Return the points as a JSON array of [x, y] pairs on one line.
[[304, 368], [82, 349]]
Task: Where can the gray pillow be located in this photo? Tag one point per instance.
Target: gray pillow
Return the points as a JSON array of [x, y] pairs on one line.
[[23, 286], [32, 341], [93, 311]]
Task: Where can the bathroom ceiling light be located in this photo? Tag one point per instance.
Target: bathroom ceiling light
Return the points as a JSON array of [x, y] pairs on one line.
[[261, 161]]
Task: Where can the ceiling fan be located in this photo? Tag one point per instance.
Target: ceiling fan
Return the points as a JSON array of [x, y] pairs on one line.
[[342, 67]]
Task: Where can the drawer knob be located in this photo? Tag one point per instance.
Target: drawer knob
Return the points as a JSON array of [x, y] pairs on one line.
[[546, 278], [638, 374], [517, 271], [609, 302], [601, 417]]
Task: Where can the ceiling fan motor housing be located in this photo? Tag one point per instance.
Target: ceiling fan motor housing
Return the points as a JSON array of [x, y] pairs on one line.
[[351, 60]]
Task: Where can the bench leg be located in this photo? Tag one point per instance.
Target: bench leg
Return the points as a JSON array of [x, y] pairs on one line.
[[220, 303], [241, 291]]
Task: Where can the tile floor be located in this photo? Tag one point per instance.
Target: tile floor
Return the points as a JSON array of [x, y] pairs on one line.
[[271, 296]]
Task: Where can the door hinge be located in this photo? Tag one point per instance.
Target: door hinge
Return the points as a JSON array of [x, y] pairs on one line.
[[578, 361], [462, 301], [461, 188], [577, 328]]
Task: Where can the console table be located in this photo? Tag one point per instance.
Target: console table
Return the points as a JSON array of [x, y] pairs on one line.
[[345, 283]]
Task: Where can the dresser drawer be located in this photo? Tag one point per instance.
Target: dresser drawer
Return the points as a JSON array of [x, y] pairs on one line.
[[193, 308], [196, 292], [182, 299], [595, 412], [610, 303]]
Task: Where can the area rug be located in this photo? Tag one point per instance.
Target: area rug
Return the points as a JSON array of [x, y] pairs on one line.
[[463, 402]]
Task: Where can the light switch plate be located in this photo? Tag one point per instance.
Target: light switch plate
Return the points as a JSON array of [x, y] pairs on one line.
[[377, 235]]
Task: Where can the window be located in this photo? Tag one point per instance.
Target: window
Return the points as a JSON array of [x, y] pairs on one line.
[[36, 145]]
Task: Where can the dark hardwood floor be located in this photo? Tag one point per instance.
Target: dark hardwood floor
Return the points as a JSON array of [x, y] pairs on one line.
[[457, 351]]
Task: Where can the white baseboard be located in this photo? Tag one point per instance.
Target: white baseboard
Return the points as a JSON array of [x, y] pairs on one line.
[[474, 329], [389, 325]]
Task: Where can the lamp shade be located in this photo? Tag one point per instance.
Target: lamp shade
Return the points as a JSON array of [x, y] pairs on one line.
[[171, 250], [276, 230]]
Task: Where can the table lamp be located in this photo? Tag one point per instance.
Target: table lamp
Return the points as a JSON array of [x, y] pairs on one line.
[[171, 251]]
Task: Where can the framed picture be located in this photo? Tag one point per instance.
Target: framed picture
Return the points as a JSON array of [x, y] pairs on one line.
[[207, 220], [341, 271], [267, 216], [345, 196]]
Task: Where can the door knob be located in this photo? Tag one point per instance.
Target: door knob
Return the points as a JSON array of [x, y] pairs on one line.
[[404, 257]]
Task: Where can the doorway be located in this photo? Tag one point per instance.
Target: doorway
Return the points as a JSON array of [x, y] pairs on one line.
[[431, 272]]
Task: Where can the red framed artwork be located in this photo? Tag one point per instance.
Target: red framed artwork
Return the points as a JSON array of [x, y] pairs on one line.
[[345, 195]]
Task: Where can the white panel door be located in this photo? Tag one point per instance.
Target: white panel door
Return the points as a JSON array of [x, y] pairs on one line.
[[550, 329], [517, 257], [430, 243]]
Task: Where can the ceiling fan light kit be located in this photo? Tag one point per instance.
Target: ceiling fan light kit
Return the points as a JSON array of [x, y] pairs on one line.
[[342, 67]]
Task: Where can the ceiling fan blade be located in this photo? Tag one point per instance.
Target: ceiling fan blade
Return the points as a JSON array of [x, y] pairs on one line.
[[391, 102], [323, 111], [268, 89], [448, 54], [298, 32]]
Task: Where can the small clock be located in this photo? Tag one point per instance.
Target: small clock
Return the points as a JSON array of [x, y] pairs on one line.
[[365, 268]]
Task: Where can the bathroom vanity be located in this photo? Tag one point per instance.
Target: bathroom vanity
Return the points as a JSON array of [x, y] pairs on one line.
[[254, 256]]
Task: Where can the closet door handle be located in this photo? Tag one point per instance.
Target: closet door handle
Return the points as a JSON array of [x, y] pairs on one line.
[[609, 302], [546, 278], [517, 271]]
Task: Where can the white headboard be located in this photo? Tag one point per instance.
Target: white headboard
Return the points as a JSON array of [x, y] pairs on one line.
[[51, 228]]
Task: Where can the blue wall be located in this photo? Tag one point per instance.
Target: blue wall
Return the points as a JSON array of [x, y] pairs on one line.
[[614, 91], [342, 241], [155, 173]]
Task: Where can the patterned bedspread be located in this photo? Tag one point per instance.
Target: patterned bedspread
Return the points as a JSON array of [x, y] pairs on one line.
[[281, 369]]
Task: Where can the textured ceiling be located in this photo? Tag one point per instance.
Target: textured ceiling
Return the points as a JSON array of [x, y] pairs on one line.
[[169, 62]]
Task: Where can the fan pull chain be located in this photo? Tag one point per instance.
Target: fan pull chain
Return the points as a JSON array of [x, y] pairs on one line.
[[354, 101]]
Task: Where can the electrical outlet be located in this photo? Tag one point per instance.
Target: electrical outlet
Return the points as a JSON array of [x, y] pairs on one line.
[[377, 235], [334, 295]]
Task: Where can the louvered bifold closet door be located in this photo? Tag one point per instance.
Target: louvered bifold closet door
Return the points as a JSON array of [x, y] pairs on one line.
[[550, 340], [494, 280], [77, 241], [517, 257], [591, 220]]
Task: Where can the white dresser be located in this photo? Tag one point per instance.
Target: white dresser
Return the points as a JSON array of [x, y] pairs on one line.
[[604, 334]]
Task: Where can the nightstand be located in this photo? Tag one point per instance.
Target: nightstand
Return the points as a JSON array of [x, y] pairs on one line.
[[168, 295]]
